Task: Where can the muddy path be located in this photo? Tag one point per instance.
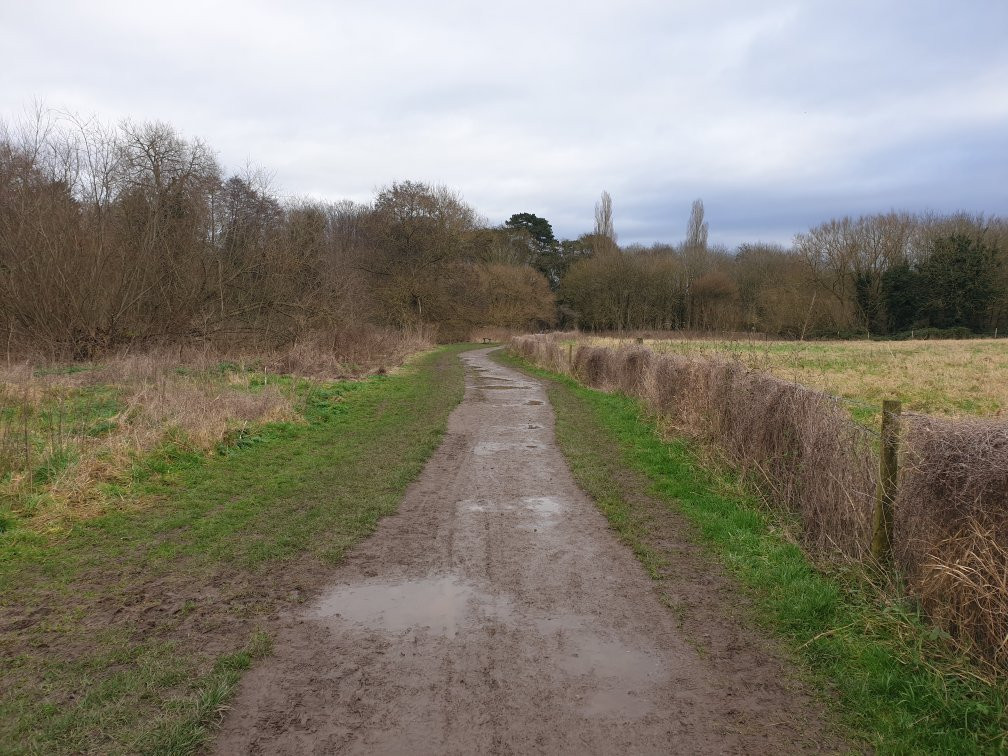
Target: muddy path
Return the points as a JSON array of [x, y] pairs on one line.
[[497, 613]]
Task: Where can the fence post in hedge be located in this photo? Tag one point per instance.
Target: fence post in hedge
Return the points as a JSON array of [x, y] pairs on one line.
[[882, 520]]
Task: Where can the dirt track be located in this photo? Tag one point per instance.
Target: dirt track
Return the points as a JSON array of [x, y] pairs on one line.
[[497, 613]]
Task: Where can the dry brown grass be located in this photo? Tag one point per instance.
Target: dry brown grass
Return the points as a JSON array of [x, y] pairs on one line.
[[948, 377], [347, 353], [60, 444], [805, 453], [963, 587], [67, 432], [951, 534], [492, 333]]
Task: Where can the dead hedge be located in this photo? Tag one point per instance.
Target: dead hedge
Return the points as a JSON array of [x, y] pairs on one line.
[[951, 528], [805, 453]]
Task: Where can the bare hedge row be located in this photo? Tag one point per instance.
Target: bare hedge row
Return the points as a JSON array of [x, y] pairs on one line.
[[806, 454]]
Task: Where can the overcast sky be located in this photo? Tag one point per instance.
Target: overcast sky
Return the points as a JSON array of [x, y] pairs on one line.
[[778, 114]]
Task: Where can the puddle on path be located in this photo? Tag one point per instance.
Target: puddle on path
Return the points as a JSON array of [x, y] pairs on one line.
[[543, 505], [625, 703], [440, 603], [618, 676], [623, 674], [484, 448], [472, 505], [511, 429], [540, 506], [586, 653], [447, 604]]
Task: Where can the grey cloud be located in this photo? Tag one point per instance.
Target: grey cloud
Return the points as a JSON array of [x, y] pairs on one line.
[[779, 114]]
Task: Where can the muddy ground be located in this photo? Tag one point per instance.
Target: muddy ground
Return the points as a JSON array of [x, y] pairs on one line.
[[498, 613]]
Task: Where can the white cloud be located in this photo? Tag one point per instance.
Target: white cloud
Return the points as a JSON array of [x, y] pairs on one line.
[[540, 105]]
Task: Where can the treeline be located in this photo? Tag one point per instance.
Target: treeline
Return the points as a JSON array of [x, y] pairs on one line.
[[874, 275], [112, 237]]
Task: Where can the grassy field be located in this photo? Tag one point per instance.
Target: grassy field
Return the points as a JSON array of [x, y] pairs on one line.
[[124, 629], [955, 377], [899, 686]]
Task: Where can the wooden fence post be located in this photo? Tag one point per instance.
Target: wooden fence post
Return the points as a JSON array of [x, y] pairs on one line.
[[570, 358], [882, 520]]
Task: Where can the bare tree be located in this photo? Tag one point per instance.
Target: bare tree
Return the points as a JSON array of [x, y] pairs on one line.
[[695, 260], [849, 257], [605, 234], [696, 229]]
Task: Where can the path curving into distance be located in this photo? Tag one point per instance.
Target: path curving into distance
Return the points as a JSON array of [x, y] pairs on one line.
[[498, 613]]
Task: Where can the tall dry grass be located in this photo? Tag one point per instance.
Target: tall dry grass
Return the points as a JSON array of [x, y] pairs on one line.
[[951, 529], [68, 431], [806, 454], [64, 437], [350, 352]]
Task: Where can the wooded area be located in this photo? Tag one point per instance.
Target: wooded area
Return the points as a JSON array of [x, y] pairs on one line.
[[134, 235], [881, 274]]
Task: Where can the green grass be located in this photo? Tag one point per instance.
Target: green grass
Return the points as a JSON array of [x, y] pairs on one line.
[[897, 683], [129, 631]]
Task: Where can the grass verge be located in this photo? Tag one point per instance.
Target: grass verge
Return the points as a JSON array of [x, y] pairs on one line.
[[897, 684], [128, 632]]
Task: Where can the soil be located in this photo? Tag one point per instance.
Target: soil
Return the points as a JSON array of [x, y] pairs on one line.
[[498, 613]]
